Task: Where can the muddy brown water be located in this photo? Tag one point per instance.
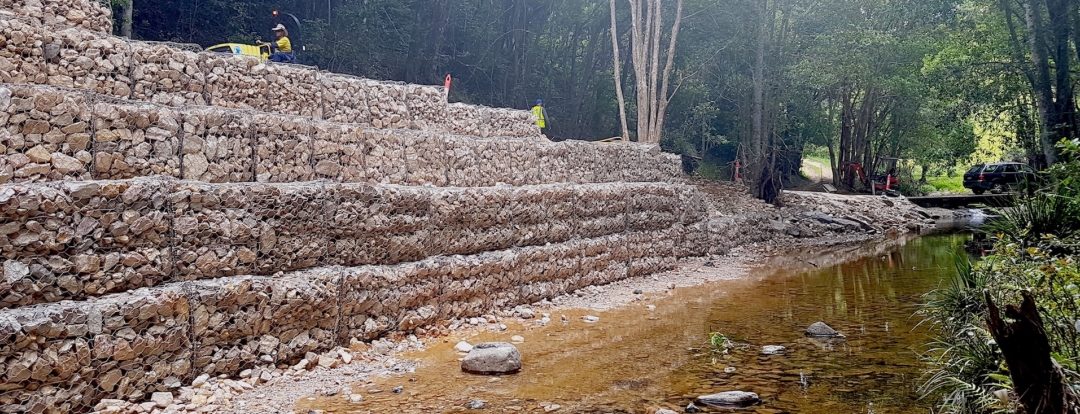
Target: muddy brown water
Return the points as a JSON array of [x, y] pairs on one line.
[[636, 359]]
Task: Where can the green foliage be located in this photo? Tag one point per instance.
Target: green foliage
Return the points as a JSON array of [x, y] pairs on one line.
[[1038, 217], [958, 304], [1037, 249], [510, 52], [720, 343], [954, 184], [966, 374], [965, 363], [712, 171]]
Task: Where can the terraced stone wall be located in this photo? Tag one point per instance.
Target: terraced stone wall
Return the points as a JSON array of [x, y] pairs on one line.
[[75, 240], [116, 289], [178, 76], [93, 15], [64, 357], [49, 134]]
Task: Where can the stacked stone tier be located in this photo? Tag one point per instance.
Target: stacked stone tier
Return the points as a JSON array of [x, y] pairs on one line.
[[120, 288], [49, 134], [178, 76]]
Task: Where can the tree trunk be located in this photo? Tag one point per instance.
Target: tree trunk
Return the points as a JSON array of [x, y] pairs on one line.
[[1037, 379], [618, 74], [641, 90], [1064, 99], [764, 183], [1044, 93], [846, 123], [126, 18], [665, 99], [654, 70], [757, 117], [650, 90]]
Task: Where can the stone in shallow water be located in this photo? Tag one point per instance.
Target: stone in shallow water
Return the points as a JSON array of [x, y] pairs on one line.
[[773, 349], [821, 330], [729, 399], [492, 358], [476, 404]]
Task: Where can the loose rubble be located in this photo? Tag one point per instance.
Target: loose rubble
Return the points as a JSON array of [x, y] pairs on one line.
[[208, 393]]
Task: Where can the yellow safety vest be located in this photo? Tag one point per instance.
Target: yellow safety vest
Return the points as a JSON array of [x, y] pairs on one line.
[[538, 111], [284, 45]]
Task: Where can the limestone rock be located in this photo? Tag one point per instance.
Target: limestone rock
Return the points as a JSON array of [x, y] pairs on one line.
[[773, 350], [162, 399], [492, 358], [463, 347]]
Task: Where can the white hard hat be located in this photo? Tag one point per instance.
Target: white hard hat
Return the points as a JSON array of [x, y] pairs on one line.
[[279, 28]]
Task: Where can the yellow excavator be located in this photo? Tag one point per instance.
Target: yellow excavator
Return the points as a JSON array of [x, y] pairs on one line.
[[260, 50]]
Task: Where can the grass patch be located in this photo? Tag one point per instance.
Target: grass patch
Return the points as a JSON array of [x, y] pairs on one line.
[[822, 159], [953, 184], [712, 171]]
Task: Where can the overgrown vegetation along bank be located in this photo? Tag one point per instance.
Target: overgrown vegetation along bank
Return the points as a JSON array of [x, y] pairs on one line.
[[1036, 250]]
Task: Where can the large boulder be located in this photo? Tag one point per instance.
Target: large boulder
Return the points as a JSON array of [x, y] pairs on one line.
[[492, 358], [729, 399]]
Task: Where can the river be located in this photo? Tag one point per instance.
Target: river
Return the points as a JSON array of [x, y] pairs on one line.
[[638, 358]]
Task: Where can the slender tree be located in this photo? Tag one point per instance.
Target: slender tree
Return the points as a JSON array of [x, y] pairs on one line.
[[652, 89], [617, 64]]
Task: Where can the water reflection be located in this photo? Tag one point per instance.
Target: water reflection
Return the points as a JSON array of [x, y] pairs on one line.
[[636, 359], [870, 300]]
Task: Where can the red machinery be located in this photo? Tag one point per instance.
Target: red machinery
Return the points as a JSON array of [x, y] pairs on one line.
[[877, 184]]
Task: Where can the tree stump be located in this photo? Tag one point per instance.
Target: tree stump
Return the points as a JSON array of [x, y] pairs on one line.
[[1037, 379]]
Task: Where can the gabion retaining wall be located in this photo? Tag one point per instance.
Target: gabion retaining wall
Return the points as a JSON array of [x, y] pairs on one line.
[[49, 134], [93, 15], [64, 357], [482, 121], [170, 75], [73, 240]]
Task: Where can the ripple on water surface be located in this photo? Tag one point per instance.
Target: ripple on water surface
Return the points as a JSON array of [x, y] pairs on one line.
[[635, 359]]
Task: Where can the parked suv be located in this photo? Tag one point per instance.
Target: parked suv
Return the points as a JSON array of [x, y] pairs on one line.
[[999, 178]]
